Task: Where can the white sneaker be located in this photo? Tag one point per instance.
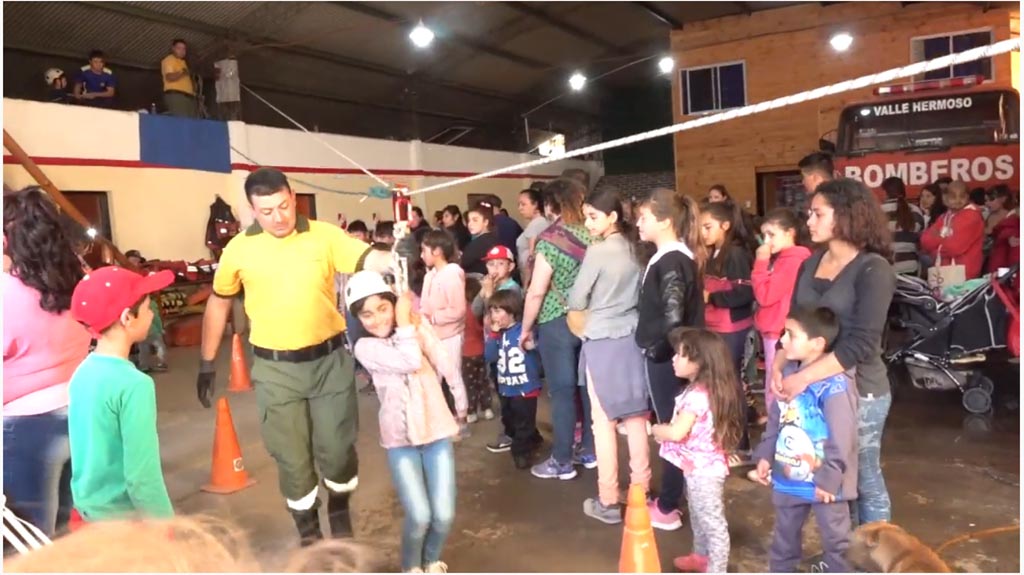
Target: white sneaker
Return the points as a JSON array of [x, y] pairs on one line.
[[437, 567], [471, 418], [488, 414]]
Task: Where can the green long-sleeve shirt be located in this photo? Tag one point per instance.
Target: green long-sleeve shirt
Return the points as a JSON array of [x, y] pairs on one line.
[[115, 451]]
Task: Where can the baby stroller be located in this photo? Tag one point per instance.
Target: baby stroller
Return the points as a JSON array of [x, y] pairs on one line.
[[949, 339]]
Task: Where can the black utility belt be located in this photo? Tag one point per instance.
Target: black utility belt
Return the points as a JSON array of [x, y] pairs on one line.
[[311, 353], [193, 96]]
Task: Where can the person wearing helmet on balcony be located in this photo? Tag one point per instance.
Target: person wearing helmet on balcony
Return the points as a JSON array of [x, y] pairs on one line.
[[57, 86]]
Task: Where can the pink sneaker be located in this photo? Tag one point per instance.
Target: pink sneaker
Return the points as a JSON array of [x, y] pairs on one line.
[[664, 521], [691, 563]]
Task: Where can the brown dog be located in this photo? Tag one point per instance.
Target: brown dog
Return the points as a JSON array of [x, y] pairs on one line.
[[882, 547]]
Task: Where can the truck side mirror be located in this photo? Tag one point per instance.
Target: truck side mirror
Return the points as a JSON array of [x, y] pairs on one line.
[[826, 146]]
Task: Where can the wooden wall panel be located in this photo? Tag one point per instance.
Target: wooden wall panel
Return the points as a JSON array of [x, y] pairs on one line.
[[786, 51]]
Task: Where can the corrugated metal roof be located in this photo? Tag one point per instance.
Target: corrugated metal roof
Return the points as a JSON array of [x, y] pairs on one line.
[[77, 28], [222, 14]]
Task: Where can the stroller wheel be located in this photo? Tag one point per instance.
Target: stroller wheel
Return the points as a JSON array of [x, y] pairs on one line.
[[977, 400], [983, 382]]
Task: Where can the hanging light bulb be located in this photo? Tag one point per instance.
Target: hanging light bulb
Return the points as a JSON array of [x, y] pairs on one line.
[[666, 64], [577, 81], [421, 36], [91, 232]]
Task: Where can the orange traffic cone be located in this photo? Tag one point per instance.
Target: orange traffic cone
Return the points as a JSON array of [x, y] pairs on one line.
[[239, 380], [639, 551], [227, 474]]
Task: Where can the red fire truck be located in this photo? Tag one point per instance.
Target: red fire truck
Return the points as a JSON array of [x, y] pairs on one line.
[[923, 131]]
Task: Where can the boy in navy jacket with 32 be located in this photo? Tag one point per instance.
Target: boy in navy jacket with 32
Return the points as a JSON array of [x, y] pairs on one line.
[[518, 373]]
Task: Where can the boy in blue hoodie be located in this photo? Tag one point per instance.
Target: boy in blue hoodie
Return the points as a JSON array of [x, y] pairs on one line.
[[809, 451], [517, 372]]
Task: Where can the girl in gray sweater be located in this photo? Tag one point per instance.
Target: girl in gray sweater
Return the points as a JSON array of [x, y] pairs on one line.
[[608, 288]]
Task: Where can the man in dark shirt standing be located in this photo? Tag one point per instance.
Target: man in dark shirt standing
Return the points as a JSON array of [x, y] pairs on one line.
[[95, 84], [508, 229]]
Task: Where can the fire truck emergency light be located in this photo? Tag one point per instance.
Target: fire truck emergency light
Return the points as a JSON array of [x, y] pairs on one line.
[[929, 85]]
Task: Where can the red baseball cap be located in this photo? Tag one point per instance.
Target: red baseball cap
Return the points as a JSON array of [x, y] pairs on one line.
[[104, 293], [499, 253]]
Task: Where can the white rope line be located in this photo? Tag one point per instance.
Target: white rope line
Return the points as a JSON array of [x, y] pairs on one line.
[[317, 138], [807, 96], [19, 532]]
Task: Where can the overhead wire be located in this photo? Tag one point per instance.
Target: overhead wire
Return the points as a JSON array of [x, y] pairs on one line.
[[1002, 47], [316, 137]]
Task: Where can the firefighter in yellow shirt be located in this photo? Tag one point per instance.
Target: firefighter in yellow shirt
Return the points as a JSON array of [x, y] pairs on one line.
[[179, 94], [304, 377]]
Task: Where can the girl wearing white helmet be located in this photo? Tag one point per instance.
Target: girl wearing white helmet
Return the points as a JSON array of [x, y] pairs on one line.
[[406, 360]]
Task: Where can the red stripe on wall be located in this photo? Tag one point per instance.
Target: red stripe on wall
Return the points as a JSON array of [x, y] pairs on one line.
[[102, 163]]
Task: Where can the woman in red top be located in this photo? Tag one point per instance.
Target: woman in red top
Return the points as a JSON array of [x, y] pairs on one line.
[[957, 236]]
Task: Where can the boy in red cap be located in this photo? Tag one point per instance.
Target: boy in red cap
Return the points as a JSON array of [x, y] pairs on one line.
[[115, 451], [500, 264]]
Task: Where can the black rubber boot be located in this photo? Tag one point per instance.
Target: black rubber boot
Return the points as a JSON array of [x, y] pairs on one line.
[[308, 524], [338, 515]]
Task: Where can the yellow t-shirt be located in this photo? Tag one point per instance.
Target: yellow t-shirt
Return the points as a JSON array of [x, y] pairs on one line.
[[289, 282], [170, 65]]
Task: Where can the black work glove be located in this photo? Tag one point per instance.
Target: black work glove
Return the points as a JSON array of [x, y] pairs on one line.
[[204, 382]]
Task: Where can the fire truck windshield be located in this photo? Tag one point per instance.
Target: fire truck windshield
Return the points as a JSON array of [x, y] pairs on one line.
[[929, 122]]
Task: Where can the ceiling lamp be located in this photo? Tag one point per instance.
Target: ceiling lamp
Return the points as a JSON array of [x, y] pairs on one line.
[[576, 81], [841, 41], [421, 36], [666, 64]]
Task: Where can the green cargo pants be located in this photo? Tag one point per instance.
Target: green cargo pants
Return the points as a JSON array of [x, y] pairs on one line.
[[308, 413]]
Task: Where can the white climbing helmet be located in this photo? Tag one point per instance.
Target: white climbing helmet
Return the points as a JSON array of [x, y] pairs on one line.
[[363, 285], [52, 74]]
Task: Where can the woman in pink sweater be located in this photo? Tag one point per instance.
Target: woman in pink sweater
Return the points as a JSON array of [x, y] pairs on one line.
[[443, 305], [405, 361], [776, 265], [42, 347]]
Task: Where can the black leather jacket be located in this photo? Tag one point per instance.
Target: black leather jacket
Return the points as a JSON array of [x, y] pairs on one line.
[[672, 295]]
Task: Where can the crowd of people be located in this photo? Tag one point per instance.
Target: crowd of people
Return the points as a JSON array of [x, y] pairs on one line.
[[635, 317]]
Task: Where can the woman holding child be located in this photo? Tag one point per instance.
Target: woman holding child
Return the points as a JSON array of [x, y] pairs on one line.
[[852, 276]]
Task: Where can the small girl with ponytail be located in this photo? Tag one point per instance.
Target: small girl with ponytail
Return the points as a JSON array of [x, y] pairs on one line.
[[705, 425], [670, 297]]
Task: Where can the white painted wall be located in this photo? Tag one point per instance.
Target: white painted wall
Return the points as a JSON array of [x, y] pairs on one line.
[[163, 211]]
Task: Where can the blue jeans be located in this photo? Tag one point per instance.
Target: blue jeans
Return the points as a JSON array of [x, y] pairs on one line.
[[37, 468], [872, 496], [424, 477], [560, 354]]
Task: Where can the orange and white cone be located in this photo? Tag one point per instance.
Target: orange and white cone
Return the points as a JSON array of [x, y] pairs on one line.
[[227, 473], [639, 550], [239, 379]]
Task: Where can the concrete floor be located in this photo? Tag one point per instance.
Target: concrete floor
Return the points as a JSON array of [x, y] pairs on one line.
[[946, 476]]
